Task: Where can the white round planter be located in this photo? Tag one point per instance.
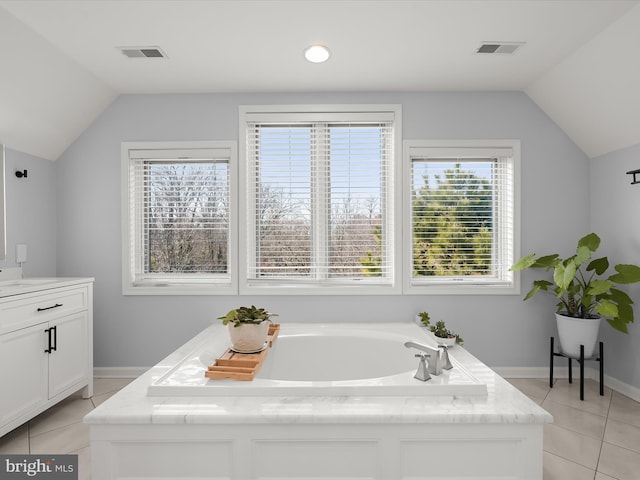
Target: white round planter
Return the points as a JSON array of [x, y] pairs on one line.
[[574, 332], [247, 337], [449, 342]]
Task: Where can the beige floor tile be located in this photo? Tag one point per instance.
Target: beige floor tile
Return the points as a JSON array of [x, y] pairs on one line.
[[102, 386], [602, 476], [67, 412], [68, 439], [16, 441], [623, 435], [624, 409], [558, 468], [536, 389], [571, 446], [98, 399], [575, 419], [568, 394], [619, 463]]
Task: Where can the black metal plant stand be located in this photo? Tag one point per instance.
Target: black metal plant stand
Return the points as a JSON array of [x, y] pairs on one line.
[[581, 360]]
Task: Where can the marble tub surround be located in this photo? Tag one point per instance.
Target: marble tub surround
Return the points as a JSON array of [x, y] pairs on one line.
[[559, 464], [282, 436]]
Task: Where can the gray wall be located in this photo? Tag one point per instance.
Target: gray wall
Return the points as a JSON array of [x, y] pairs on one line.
[[139, 331], [614, 208], [31, 212]]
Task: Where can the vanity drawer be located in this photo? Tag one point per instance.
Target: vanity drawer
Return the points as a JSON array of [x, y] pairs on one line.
[[42, 307]]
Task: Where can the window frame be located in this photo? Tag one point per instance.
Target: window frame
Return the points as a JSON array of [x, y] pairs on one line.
[[291, 113], [227, 284], [452, 287]]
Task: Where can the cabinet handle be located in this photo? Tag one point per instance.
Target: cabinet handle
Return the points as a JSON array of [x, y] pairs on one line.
[[49, 308], [53, 335], [49, 332]]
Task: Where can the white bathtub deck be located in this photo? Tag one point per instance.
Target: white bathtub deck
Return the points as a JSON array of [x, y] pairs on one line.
[[497, 435], [185, 378]]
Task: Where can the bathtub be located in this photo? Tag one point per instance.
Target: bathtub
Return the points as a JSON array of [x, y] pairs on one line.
[[326, 359], [333, 402]]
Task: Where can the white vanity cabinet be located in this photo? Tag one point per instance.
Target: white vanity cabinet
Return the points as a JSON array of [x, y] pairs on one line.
[[46, 347]]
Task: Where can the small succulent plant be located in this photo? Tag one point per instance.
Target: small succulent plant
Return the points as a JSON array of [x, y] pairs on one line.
[[246, 315], [439, 329]]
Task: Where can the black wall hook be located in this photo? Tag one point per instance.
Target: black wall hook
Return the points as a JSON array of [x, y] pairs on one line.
[[21, 174]]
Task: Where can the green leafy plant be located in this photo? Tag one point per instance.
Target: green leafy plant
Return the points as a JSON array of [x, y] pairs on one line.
[[246, 315], [424, 318], [581, 285], [439, 329]]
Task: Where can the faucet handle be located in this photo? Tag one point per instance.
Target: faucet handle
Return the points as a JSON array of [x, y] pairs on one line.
[[423, 372]]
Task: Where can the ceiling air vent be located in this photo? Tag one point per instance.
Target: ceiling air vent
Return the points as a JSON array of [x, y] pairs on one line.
[[499, 47], [142, 52]]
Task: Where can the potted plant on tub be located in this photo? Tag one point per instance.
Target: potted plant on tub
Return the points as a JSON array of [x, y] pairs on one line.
[[442, 334], [585, 293], [248, 328]]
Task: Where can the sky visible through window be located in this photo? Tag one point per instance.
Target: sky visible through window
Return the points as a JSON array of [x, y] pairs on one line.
[[289, 159]]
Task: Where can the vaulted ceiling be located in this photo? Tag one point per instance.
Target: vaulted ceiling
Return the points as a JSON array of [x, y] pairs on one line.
[[61, 63]]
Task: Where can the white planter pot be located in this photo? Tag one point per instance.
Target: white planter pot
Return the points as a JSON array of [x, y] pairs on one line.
[[573, 332], [248, 338], [449, 342]]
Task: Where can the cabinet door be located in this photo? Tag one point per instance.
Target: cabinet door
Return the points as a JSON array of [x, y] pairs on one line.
[[23, 371], [69, 362]]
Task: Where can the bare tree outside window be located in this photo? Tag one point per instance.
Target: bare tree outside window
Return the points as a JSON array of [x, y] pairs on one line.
[[186, 226]]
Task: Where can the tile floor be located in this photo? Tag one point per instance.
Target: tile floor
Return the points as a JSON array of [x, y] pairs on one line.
[[60, 429], [597, 439]]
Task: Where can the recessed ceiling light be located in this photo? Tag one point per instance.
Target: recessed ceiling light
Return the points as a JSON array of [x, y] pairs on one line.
[[317, 53]]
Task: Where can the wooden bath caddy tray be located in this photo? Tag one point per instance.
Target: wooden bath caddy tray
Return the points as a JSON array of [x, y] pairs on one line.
[[242, 366]]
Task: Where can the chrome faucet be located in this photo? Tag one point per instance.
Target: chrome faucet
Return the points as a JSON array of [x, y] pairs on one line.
[[444, 357], [433, 357]]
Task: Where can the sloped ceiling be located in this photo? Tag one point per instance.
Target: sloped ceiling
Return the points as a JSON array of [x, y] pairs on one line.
[[61, 66]]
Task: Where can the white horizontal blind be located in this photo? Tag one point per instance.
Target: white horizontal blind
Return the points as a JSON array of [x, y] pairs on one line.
[[179, 213], [462, 216], [320, 200]]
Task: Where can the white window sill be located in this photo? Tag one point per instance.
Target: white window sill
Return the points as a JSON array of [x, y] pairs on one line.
[[179, 289]]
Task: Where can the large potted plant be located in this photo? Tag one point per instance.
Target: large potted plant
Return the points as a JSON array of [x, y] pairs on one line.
[[248, 328], [585, 293]]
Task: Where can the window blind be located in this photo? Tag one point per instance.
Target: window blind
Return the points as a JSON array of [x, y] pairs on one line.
[[320, 195], [179, 215], [462, 215]]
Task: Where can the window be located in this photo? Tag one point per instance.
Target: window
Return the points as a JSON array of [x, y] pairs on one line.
[[177, 209], [462, 204], [319, 198]]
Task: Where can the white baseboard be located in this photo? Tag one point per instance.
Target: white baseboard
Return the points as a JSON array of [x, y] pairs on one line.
[[559, 371], [623, 388]]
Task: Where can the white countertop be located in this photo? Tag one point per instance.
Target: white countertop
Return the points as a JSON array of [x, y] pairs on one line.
[[12, 287], [503, 404]]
